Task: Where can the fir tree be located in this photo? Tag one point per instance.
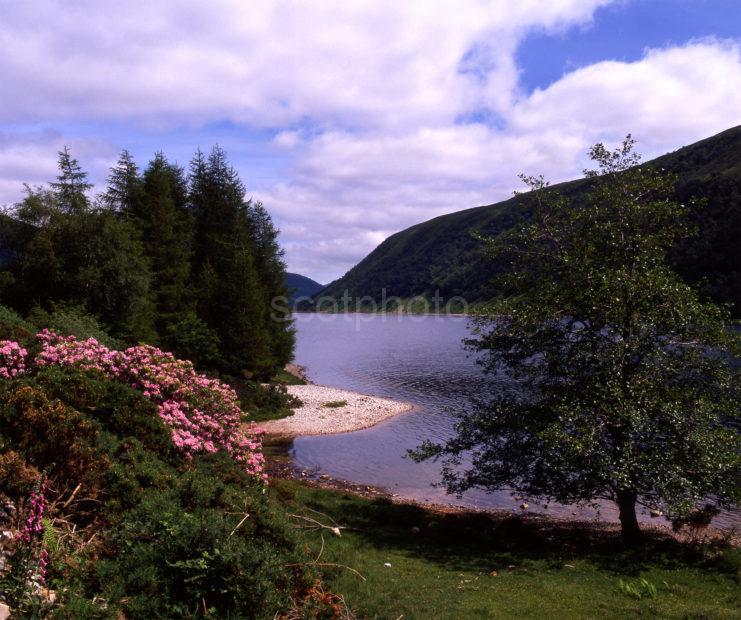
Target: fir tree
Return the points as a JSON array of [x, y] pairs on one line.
[[166, 233], [71, 184], [125, 186], [272, 270], [231, 298]]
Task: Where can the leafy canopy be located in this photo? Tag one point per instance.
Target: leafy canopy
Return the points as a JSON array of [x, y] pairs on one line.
[[616, 375]]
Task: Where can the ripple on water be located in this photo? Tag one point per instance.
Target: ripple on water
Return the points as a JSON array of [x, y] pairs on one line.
[[417, 359]]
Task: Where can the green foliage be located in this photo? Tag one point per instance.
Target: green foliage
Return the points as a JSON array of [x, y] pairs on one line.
[[200, 546], [182, 262], [71, 185], [174, 539], [445, 254], [125, 190], [639, 589], [14, 327], [191, 339], [74, 320], [232, 279], [264, 402], [86, 257], [166, 227], [619, 384], [335, 404]]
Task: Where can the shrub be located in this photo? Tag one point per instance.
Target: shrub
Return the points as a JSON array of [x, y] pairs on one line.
[[73, 320], [151, 530], [203, 413], [12, 359], [49, 434], [264, 402], [14, 327], [191, 339], [201, 545]]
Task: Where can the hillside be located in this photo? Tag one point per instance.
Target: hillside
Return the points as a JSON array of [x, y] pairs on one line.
[[441, 254], [301, 286]]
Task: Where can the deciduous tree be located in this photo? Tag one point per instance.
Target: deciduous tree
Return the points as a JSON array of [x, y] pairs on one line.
[[613, 379]]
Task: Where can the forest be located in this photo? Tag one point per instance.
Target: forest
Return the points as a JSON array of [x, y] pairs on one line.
[[165, 256]]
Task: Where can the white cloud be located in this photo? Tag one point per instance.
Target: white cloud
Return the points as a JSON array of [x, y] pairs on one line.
[[31, 157], [363, 98], [350, 184], [266, 62]]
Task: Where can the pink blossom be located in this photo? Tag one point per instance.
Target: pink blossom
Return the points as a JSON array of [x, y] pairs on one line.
[[12, 359], [203, 413]]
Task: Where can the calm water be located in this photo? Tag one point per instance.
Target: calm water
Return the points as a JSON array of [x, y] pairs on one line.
[[416, 359]]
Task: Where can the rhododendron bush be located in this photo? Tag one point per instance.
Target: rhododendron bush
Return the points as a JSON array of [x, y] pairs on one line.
[[203, 413], [12, 359]]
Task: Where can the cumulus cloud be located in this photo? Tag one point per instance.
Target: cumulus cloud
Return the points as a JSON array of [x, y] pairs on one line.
[[376, 106], [266, 62]]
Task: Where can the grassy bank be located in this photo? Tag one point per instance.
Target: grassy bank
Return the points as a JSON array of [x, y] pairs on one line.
[[476, 566]]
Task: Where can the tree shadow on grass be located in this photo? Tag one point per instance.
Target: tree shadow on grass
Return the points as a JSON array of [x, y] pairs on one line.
[[473, 541]]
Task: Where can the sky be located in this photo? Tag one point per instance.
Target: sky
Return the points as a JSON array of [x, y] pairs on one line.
[[351, 120]]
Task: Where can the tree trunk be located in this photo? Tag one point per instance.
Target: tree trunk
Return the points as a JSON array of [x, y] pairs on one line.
[[626, 501]]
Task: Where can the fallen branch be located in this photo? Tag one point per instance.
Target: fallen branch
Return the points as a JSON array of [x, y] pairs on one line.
[[246, 516]]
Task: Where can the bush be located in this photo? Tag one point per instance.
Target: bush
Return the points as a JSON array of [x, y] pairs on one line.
[[71, 320], [14, 327], [151, 531], [192, 339], [264, 402], [119, 409], [50, 435], [201, 546]]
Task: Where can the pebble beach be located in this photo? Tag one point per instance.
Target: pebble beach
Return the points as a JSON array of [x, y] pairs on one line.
[[325, 410]]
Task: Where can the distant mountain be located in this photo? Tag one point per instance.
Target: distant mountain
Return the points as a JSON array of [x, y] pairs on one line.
[[301, 286], [442, 255]]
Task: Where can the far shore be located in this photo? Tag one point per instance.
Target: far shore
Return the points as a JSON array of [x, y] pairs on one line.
[[326, 410]]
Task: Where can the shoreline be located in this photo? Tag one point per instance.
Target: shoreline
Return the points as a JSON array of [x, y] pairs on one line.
[[327, 411], [282, 468]]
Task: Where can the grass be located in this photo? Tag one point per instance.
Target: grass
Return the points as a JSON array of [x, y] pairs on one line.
[[335, 404], [474, 566], [286, 378]]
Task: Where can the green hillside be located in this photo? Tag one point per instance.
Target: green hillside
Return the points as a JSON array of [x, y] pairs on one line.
[[441, 254], [301, 286]]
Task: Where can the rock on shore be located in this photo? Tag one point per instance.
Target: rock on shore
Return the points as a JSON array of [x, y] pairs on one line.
[[326, 410]]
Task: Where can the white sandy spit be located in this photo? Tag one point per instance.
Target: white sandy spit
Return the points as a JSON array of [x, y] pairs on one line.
[[315, 418]]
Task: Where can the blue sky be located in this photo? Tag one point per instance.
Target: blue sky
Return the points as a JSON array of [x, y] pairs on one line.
[[623, 31], [352, 120]]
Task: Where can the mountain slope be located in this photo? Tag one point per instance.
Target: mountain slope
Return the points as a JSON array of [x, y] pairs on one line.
[[442, 255], [301, 286]]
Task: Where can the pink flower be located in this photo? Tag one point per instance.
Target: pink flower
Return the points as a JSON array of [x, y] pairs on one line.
[[203, 413]]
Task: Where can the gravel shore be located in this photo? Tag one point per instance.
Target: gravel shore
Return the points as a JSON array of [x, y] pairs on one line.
[[326, 410]]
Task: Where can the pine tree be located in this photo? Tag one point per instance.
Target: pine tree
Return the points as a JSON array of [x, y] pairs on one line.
[[231, 298], [167, 237], [71, 185], [125, 186], [272, 270]]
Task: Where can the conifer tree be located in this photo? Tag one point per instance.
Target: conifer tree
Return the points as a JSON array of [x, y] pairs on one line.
[[166, 234], [71, 184], [231, 298], [125, 186], [84, 256], [272, 270]]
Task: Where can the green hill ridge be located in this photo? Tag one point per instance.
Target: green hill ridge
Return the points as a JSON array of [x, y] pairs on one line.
[[442, 254]]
